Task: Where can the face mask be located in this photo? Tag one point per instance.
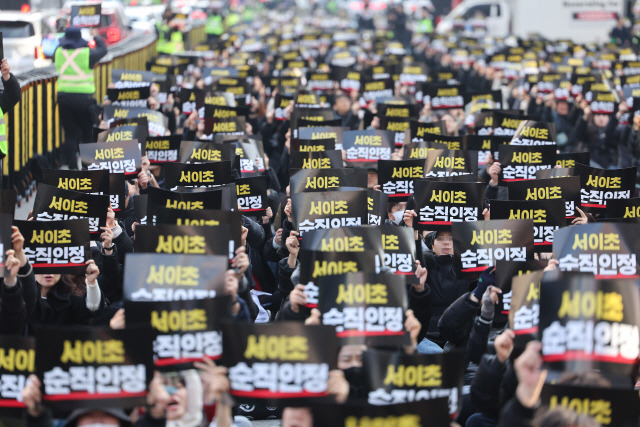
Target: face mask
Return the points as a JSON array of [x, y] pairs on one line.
[[397, 217], [356, 380]]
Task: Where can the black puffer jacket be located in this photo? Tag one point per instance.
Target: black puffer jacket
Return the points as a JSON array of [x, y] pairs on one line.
[[446, 286]]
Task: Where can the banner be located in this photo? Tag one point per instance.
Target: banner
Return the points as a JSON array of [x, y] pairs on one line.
[[432, 413], [366, 147], [56, 247], [329, 209], [395, 377], [505, 272], [589, 324], [55, 204], [443, 97], [597, 186], [252, 195], [396, 177], [182, 239], [480, 244], [185, 331], [377, 203], [440, 163], [275, 362], [607, 406], [173, 277], [163, 149], [439, 204], [364, 306], [606, 250], [116, 157], [549, 189], [18, 357], [230, 220], [204, 175], [313, 180], [521, 162], [547, 215], [94, 368]]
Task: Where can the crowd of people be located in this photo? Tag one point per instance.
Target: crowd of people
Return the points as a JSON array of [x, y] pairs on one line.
[[446, 312]]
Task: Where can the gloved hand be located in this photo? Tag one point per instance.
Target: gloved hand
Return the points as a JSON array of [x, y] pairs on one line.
[[488, 306], [486, 279]]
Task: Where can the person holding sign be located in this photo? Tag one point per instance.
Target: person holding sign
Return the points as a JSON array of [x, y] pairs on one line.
[[76, 87], [8, 99]]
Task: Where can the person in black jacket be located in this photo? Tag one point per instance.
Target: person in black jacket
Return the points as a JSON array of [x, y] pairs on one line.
[[9, 97]]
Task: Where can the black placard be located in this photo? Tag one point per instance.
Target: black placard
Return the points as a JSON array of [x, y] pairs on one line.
[[301, 355], [597, 186], [547, 215], [589, 324], [397, 177], [205, 175], [312, 180], [159, 198], [202, 152], [252, 195], [173, 277], [94, 368], [366, 147], [18, 362], [549, 189], [420, 150], [521, 162], [321, 133], [56, 247], [364, 307], [606, 250], [116, 156], [531, 132], [55, 204], [117, 193], [306, 145], [85, 16], [569, 160], [628, 210], [329, 209], [440, 204], [443, 97], [394, 377], [129, 97], [186, 331], [524, 308], [163, 149], [330, 159], [479, 245], [93, 182], [423, 131], [432, 413], [182, 239], [441, 163], [607, 406], [399, 249]]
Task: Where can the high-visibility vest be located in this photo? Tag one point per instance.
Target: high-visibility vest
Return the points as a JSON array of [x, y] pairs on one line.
[[74, 73], [4, 147], [214, 25], [175, 43]]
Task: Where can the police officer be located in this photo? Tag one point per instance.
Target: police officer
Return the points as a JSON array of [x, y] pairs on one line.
[[8, 99], [76, 87]]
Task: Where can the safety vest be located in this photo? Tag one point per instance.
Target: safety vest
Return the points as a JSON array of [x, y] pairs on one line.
[[4, 148], [425, 26], [214, 25], [74, 73], [175, 43]]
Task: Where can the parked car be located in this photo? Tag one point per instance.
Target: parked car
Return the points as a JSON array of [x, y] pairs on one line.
[[22, 33], [114, 25]]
